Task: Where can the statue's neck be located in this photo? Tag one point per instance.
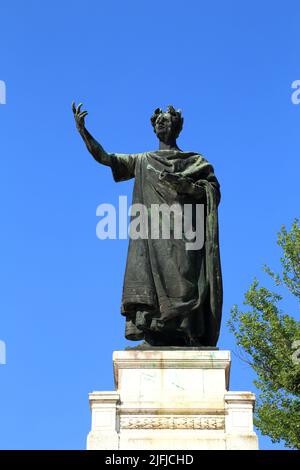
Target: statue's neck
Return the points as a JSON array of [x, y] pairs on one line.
[[168, 146]]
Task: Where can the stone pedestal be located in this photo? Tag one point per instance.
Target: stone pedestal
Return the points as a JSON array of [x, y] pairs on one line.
[[172, 399]]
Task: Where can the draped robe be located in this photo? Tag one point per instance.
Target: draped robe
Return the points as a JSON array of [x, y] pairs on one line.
[[172, 296]]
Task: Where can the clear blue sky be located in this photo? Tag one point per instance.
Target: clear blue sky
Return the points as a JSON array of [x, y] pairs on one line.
[[229, 66]]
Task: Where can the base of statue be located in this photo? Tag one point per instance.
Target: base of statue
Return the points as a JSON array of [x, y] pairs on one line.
[[172, 399]]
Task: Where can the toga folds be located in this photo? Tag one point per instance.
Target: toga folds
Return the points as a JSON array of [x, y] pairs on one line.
[[172, 296]]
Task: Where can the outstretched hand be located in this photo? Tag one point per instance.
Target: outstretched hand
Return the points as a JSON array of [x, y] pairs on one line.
[[79, 116]]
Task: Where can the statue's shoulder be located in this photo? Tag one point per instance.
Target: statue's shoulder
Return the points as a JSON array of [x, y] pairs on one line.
[[199, 157]]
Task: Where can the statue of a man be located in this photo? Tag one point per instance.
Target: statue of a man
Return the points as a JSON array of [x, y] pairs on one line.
[[171, 296]]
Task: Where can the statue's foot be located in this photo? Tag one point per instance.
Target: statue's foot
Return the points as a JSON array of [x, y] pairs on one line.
[[142, 319], [132, 332], [157, 325]]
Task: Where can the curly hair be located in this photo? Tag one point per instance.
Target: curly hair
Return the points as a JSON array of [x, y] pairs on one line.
[[176, 117]]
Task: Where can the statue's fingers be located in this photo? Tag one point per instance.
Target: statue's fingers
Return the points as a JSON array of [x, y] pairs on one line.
[[73, 107], [83, 114], [78, 108]]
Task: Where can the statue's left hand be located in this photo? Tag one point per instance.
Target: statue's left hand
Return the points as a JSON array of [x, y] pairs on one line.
[[179, 184]]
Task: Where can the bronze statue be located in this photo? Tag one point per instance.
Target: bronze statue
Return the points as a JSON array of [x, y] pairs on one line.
[[171, 296]]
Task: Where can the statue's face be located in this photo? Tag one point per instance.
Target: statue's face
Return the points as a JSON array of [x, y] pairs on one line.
[[164, 127]]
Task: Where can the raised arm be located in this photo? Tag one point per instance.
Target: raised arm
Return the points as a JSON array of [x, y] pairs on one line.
[[98, 152]]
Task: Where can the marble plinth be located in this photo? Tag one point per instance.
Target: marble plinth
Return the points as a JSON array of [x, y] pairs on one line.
[[172, 399]]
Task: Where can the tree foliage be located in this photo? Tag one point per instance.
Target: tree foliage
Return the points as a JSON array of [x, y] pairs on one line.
[[270, 342]]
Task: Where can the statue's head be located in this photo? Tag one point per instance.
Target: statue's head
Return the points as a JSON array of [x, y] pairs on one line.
[[167, 125]]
